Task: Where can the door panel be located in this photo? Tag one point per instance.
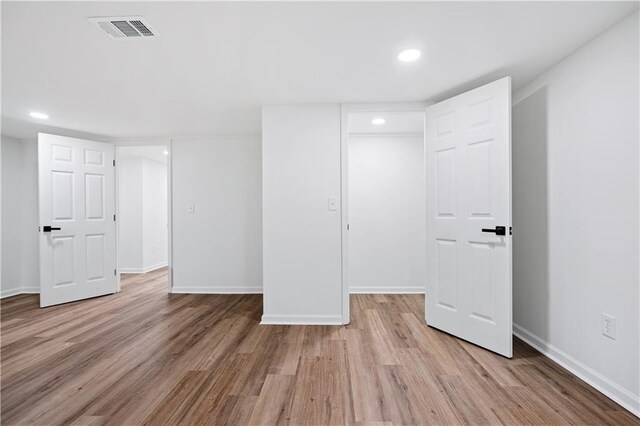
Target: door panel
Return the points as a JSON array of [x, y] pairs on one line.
[[76, 194], [62, 195], [95, 257], [63, 260], [468, 157], [447, 275], [94, 196]]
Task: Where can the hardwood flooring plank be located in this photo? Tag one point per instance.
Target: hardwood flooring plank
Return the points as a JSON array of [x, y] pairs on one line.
[[143, 356], [272, 406], [365, 385], [423, 385]]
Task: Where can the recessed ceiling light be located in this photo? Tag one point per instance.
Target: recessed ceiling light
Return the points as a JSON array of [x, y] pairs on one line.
[[409, 55], [39, 115], [378, 121], [165, 152]]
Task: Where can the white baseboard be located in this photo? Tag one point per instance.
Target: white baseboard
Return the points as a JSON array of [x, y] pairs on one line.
[[10, 292], [386, 290], [216, 290], [142, 270], [154, 267], [301, 320], [603, 384], [131, 271], [19, 290]]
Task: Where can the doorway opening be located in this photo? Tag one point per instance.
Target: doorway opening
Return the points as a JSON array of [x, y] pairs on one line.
[[143, 217], [467, 196], [384, 201]]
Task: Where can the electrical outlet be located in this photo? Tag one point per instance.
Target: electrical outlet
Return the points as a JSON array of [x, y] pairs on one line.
[[609, 326], [333, 204]]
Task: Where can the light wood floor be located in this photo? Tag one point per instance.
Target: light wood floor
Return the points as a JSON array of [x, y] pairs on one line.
[[145, 357]]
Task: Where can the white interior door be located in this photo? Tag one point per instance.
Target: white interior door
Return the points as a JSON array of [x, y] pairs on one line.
[[468, 166], [77, 223]]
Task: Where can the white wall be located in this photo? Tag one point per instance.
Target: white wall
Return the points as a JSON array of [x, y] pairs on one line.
[[302, 239], [30, 219], [130, 209], [576, 215], [1, 137], [218, 247], [20, 256], [154, 214], [12, 158], [387, 246], [143, 214]]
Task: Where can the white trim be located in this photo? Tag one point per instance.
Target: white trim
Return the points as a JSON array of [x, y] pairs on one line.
[[388, 107], [130, 271], [301, 320], [344, 212], [345, 110], [119, 269], [216, 290], [170, 216], [156, 266], [10, 292], [162, 140], [116, 193], [143, 270], [20, 290], [364, 135], [601, 383], [387, 290]]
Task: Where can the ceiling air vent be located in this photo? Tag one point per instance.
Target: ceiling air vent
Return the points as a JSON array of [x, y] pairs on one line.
[[125, 27]]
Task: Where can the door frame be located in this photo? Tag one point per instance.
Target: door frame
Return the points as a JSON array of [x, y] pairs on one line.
[[168, 144], [345, 110]]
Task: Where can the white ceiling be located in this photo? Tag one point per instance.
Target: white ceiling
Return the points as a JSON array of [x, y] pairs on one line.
[[150, 152], [395, 122], [217, 63]]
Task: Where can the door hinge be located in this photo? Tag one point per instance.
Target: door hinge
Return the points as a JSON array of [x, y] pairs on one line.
[[114, 163], [114, 217], [114, 272], [347, 226], [511, 230]]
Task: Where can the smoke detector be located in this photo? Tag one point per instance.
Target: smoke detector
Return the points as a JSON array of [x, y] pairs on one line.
[[125, 27]]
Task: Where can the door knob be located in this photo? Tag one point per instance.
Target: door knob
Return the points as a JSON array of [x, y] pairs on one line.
[[499, 230], [48, 228]]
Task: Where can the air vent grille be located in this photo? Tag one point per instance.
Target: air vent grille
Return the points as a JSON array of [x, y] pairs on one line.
[[142, 28], [125, 27]]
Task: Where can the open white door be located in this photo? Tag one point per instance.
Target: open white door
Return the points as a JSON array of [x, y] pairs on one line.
[[77, 223], [468, 167]]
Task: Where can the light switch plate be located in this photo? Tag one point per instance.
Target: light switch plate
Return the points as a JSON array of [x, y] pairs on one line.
[[191, 208], [333, 204]]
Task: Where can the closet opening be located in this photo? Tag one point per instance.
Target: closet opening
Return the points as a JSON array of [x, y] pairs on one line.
[[384, 204]]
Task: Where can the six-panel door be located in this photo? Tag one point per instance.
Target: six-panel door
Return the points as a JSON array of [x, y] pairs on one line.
[[76, 195], [468, 166]]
